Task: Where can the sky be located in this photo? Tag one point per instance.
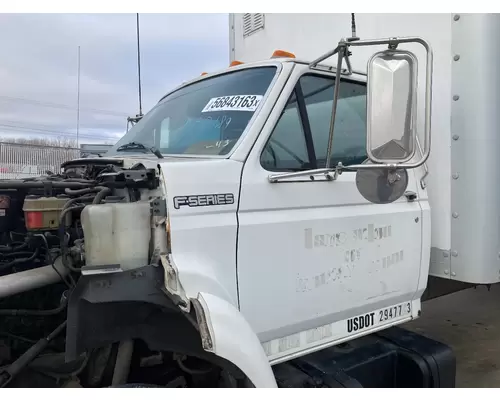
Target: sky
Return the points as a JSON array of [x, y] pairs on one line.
[[39, 64]]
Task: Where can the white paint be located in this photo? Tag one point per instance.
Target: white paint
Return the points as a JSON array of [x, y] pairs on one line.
[[286, 285], [310, 286], [425, 249], [234, 340], [475, 118], [311, 340], [310, 35], [305, 281], [204, 238]]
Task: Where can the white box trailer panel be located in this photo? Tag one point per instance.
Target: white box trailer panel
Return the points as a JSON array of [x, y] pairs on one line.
[[464, 168]]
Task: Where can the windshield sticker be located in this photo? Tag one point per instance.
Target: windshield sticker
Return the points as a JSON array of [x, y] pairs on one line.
[[233, 103]]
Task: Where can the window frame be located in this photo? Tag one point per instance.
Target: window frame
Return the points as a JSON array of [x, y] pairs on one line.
[[304, 118]]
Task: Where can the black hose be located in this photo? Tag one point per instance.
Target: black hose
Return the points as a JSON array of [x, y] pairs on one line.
[[18, 184], [190, 371], [51, 261], [68, 265], [63, 215], [82, 199], [18, 365], [17, 254], [12, 233], [81, 180], [81, 192], [62, 231], [16, 244], [19, 261], [35, 313], [101, 195], [72, 282], [11, 248], [68, 374]]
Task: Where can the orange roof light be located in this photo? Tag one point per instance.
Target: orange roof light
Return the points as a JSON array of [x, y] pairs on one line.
[[282, 54], [234, 63], [203, 73]]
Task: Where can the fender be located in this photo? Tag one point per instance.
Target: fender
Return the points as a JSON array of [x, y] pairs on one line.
[[109, 308], [227, 334]]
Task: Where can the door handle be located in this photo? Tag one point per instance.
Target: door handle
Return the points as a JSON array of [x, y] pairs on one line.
[[410, 196]]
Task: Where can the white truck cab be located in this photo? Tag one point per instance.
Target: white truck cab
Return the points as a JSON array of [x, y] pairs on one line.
[[262, 215], [268, 229]]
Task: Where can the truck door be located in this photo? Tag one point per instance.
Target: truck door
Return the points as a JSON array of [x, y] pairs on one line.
[[317, 263]]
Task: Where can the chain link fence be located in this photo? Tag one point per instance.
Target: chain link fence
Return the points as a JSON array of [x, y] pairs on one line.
[[19, 161]]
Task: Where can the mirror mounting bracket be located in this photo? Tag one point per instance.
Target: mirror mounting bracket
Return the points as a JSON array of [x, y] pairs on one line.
[[330, 174], [393, 176], [131, 121], [343, 52]]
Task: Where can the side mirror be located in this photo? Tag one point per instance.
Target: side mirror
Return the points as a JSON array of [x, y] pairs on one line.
[[391, 140], [382, 186], [391, 107]]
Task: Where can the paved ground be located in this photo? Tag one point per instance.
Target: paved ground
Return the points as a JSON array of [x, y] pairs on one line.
[[468, 321]]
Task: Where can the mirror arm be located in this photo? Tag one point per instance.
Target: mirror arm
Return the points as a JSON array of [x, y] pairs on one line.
[[343, 44], [356, 167], [341, 53], [325, 56], [327, 172], [348, 63], [423, 184]]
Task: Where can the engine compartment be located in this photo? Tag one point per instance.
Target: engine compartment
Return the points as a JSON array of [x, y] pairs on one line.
[[42, 255], [40, 218]]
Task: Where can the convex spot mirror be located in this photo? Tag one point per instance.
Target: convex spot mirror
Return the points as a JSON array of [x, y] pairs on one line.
[[391, 107], [381, 185]]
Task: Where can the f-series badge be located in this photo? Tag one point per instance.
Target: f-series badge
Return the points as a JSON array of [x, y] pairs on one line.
[[203, 200]]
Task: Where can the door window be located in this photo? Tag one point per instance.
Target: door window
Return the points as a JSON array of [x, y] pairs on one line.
[[300, 139], [286, 148]]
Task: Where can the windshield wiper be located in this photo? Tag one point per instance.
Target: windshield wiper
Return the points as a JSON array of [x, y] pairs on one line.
[[139, 146]]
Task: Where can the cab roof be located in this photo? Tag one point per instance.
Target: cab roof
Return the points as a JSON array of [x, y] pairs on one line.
[[234, 66]]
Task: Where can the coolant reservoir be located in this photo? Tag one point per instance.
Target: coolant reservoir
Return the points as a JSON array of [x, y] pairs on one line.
[[117, 233]]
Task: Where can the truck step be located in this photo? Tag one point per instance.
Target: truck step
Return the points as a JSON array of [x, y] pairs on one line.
[[394, 357]]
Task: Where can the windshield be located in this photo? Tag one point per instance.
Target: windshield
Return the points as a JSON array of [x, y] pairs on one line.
[[205, 118]]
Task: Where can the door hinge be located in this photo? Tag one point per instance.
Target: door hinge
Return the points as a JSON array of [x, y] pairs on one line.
[[158, 207]]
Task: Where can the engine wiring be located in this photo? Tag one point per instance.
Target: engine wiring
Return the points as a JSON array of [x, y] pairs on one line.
[[37, 313]]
